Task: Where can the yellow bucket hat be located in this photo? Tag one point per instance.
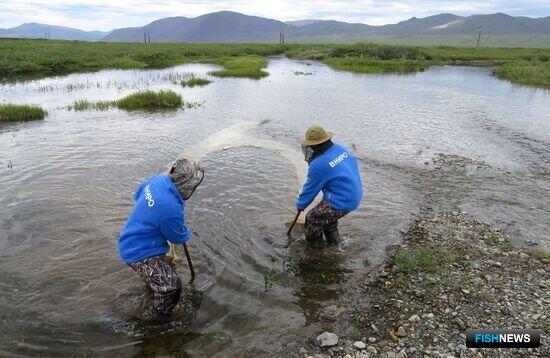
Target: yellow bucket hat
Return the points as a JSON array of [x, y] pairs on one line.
[[316, 135]]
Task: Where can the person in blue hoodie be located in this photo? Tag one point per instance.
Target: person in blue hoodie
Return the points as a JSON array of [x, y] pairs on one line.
[[158, 218], [334, 171]]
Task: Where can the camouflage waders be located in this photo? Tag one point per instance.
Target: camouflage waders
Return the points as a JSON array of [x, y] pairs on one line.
[[323, 219], [162, 279]]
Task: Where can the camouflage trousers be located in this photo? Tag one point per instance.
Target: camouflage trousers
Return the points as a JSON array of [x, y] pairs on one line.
[[162, 279], [323, 218]]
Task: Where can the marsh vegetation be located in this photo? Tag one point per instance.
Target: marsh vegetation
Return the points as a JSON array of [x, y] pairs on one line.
[[533, 73], [85, 105], [247, 66], [39, 58], [20, 112], [140, 100], [150, 100], [193, 81]]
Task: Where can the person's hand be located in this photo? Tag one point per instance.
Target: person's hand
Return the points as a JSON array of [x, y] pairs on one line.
[[171, 255]]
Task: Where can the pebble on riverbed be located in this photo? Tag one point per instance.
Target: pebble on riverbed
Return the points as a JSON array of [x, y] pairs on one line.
[[327, 339], [470, 276]]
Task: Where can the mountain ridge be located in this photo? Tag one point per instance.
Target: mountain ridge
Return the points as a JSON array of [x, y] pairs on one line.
[[38, 30], [230, 26]]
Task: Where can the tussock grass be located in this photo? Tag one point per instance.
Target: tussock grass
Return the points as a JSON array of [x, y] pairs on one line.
[[20, 112], [194, 81], [526, 73], [40, 58], [425, 259], [85, 105], [247, 66], [541, 254], [366, 65], [150, 100], [379, 52]]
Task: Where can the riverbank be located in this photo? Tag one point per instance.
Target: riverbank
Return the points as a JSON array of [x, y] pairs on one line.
[[451, 273], [24, 58]]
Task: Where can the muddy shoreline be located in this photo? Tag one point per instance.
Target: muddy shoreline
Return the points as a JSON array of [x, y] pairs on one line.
[[451, 273]]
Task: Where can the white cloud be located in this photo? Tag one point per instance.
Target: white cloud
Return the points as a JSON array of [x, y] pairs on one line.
[[106, 15]]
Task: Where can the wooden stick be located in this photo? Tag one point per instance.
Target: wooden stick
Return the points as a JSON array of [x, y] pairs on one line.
[[189, 262], [293, 223]]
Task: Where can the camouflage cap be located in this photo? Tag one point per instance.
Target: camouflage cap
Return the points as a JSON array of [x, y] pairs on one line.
[[186, 176]]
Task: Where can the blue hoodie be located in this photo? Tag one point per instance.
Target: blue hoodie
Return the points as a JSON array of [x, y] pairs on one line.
[[158, 217], [336, 173]]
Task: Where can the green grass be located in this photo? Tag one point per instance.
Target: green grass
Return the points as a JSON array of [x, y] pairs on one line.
[[270, 278], [365, 65], [194, 81], [22, 58], [248, 66], [150, 100], [85, 105], [424, 259], [541, 254], [526, 73], [20, 112], [528, 66], [218, 337]]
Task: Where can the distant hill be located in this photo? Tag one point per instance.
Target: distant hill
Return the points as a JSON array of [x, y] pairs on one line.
[[329, 27], [415, 25], [34, 31], [301, 22], [495, 24], [223, 26], [227, 26]]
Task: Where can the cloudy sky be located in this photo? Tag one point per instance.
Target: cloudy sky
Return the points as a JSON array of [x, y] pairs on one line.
[[109, 14]]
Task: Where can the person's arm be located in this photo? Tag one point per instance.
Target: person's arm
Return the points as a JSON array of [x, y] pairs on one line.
[[174, 229], [313, 185], [139, 190]]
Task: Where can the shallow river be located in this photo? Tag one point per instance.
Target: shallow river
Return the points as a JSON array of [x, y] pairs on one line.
[[449, 138]]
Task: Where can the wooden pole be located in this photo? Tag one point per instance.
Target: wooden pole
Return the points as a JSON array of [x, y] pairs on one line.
[[293, 223], [478, 36], [189, 262]]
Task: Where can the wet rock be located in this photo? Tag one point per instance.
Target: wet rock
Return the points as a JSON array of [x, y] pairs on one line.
[[414, 318], [359, 345], [401, 332], [327, 339]]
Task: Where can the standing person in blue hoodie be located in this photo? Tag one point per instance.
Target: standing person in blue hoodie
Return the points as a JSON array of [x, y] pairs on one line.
[[158, 218], [333, 170]]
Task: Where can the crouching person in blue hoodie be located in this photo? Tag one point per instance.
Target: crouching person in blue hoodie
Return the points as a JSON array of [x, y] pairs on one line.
[[333, 170], [158, 218]]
